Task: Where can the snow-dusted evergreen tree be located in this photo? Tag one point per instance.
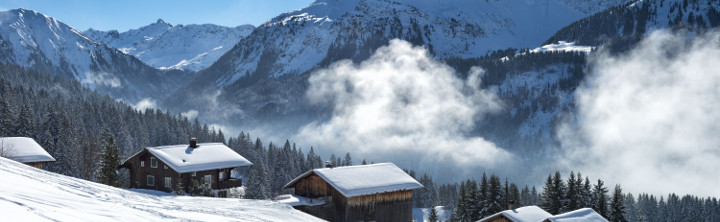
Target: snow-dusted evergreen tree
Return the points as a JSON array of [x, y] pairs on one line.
[[572, 196], [617, 206], [587, 198], [25, 124], [482, 206], [495, 196], [109, 164], [547, 196], [535, 200], [258, 184], [433, 216], [525, 197], [513, 195], [426, 196], [600, 197], [348, 160], [313, 161], [6, 118], [631, 208]]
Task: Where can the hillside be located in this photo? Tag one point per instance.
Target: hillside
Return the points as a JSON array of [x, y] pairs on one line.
[[30, 194]]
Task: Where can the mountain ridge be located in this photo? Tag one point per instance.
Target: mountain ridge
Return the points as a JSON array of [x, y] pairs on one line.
[[167, 46]]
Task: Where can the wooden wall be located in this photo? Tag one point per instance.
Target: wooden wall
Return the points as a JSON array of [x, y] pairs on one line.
[[312, 186]]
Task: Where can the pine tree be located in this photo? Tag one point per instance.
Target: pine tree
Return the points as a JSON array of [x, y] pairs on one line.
[[617, 206], [257, 186], [348, 160], [25, 124], [558, 195], [110, 163], [600, 199], [572, 195], [495, 196], [433, 216], [6, 118], [482, 197], [547, 195], [179, 187]]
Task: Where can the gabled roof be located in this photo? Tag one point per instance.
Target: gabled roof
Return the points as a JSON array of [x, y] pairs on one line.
[[584, 214], [24, 150], [352, 181], [522, 214], [207, 156]]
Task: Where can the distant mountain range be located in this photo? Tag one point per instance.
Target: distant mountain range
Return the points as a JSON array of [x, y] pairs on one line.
[[246, 75], [33, 40], [164, 46]]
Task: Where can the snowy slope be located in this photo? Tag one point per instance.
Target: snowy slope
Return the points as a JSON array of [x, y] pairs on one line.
[[30, 194], [162, 45], [33, 40], [331, 30]]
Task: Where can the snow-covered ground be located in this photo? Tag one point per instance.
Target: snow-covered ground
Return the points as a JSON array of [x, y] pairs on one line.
[[29, 194], [563, 46]]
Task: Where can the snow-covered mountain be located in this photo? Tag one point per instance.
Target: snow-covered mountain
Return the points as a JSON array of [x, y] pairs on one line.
[[31, 194], [330, 30], [297, 42], [33, 40], [632, 21], [164, 46]]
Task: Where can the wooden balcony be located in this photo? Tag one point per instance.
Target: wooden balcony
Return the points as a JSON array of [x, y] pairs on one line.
[[230, 183]]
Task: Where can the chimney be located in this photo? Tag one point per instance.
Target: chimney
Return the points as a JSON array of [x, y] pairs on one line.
[[328, 164], [193, 142], [511, 205]]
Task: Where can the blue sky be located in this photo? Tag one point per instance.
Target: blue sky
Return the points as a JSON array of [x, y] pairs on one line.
[[129, 14]]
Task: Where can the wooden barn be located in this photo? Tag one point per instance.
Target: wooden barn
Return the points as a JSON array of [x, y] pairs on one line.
[[376, 192], [158, 168], [522, 214], [24, 150]]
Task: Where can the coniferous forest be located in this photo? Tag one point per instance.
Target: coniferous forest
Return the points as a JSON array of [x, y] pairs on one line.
[[82, 128]]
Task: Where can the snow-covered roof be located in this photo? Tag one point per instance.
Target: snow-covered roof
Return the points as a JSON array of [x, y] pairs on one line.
[[295, 200], [207, 156], [352, 181], [522, 214], [23, 149], [584, 214]]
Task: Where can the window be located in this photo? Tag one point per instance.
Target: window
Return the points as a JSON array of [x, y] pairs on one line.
[[153, 162], [193, 174], [142, 163], [168, 182], [165, 166], [150, 180], [221, 176], [208, 179]]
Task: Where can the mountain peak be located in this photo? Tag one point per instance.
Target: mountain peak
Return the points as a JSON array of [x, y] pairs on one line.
[[160, 21]]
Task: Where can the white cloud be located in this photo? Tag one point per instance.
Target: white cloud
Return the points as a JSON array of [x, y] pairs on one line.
[[93, 79], [402, 104], [649, 119], [190, 114], [146, 103]]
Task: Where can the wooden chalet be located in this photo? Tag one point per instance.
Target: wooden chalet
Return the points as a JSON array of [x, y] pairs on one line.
[[522, 214], [158, 168], [24, 150], [376, 192]]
